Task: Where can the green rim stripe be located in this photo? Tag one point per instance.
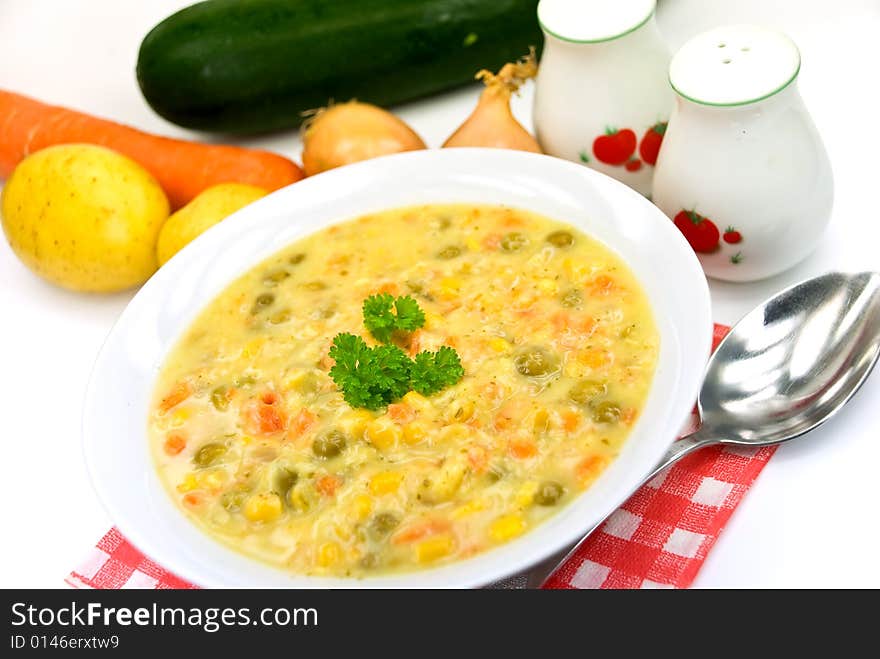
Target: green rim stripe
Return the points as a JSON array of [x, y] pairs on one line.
[[603, 39], [739, 103]]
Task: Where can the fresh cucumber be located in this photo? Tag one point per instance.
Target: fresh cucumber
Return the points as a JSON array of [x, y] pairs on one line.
[[250, 66]]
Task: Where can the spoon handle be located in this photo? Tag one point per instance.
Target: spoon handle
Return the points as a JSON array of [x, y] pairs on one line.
[[684, 446]]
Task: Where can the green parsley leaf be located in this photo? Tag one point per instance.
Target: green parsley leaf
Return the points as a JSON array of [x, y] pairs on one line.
[[409, 316], [382, 323], [378, 317], [369, 377], [433, 371]]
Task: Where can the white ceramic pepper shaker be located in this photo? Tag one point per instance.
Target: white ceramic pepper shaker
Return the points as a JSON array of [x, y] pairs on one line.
[[743, 172], [602, 96]]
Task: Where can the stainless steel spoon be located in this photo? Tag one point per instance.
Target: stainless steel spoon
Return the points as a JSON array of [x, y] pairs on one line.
[[785, 368]]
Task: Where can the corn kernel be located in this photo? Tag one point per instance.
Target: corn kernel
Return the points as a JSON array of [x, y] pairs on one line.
[[525, 495], [414, 432], [246, 439], [433, 320], [362, 506], [180, 416], [263, 507], [473, 244], [507, 527], [433, 548], [471, 507], [383, 434], [541, 420], [416, 401], [450, 287], [212, 479], [188, 484], [385, 482], [329, 554], [252, 347], [355, 423], [547, 286], [499, 345]]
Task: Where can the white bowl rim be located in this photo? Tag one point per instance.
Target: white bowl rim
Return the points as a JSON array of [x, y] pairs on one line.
[[123, 473]]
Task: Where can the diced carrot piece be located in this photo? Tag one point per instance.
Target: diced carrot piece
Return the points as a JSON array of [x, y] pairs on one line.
[[389, 287], [415, 343], [420, 529], [327, 485], [179, 393], [503, 420], [589, 468], [174, 443], [192, 499], [301, 423], [570, 420], [262, 418], [523, 449], [401, 413], [629, 415], [603, 284]]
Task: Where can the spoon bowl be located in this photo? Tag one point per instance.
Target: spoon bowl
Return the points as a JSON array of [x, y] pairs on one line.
[[794, 361]]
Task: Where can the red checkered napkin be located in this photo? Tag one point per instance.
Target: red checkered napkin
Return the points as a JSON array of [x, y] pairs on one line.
[[657, 539]]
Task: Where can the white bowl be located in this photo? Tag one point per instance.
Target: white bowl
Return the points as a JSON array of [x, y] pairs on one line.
[[119, 393]]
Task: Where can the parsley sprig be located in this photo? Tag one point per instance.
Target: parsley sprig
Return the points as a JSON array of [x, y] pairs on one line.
[[382, 323], [373, 377]]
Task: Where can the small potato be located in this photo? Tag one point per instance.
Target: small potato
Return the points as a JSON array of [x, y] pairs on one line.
[[206, 210], [84, 217]]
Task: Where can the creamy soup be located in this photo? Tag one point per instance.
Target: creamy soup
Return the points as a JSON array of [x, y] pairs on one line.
[[257, 445]]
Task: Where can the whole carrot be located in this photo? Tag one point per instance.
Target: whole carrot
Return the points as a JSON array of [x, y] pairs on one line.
[[183, 168]]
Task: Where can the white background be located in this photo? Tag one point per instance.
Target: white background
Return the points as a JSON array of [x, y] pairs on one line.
[[810, 520]]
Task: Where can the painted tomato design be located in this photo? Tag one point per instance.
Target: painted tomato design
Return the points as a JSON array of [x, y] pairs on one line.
[[732, 236], [649, 148], [699, 231], [615, 147], [633, 165]]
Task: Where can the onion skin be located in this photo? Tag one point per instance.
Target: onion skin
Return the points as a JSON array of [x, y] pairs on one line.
[[351, 132], [492, 124]]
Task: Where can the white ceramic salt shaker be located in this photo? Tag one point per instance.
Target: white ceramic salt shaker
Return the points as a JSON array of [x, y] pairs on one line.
[[602, 96], [743, 171]]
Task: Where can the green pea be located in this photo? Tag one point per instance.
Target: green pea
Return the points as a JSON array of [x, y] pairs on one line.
[[315, 286], [572, 298], [275, 277], [561, 239], [283, 479], [209, 454], [370, 561], [449, 252], [584, 391], [536, 362], [233, 500], [549, 493], [606, 412], [219, 398], [514, 242], [496, 472], [296, 259], [329, 444], [383, 524], [263, 301]]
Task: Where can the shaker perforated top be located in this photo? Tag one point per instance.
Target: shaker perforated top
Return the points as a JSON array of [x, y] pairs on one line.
[[592, 21], [734, 65]]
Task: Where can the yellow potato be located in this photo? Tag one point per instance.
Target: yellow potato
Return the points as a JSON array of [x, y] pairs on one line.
[[84, 217], [203, 212]]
